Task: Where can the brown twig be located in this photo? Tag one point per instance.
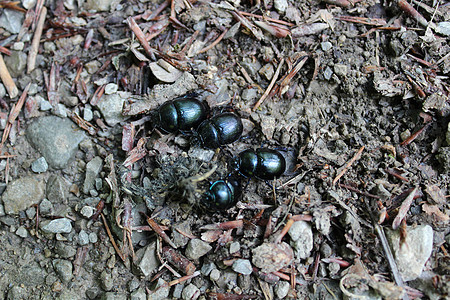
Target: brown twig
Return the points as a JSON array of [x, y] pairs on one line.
[[269, 88], [155, 226], [347, 166], [403, 210], [348, 187], [213, 44], [407, 8], [111, 238], [7, 79], [31, 61], [266, 18], [396, 175], [413, 136], [141, 37], [285, 230], [178, 260], [341, 3]]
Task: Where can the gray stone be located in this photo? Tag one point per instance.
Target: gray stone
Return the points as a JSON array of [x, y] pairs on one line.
[[197, 248], [147, 261], [31, 274], [326, 46], [214, 275], [64, 269], [443, 157], [39, 165], [87, 211], [138, 294], [107, 281], [301, 238], [227, 280], [44, 105], [22, 232], [2, 211], [88, 115], [61, 225], [234, 247], [443, 28], [56, 139], [267, 71], [340, 70], [280, 5], [190, 292], [57, 189], [93, 237], [161, 291], [65, 251], [28, 3], [11, 20], [242, 266], [111, 88], [251, 65], [327, 73], [282, 289], [96, 6], [249, 94], [177, 291], [17, 293], [22, 193], [93, 168], [412, 254], [207, 267], [83, 238], [46, 208], [111, 107], [114, 296], [16, 62]]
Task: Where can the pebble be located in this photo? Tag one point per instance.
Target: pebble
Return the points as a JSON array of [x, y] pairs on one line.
[[65, 251], [138, 294], [271, 257], [111, 88], [282, 289], [11, 20], [242, 266], [207, 268], [147, 261], [87, 211], [44, 105], [106, 281], [56, 139], [280, 5], [190, 292], [83, 238], [22, 193], [267, 71], [443, 28], [39, 165], [160, 293], [197, 248], [234, 247], [340, 69], [327, 73], [326, 46], [443, 157], [57, 189], [301, 238], [88, 115], [96, 6], [411, 255], [45, 207], [177, 291], [111, 107], [214, 275], [249, 94], [27, 4], [62, 225], [93, 169], [93, 237], [22, 232], [17, 292], [64, 269]]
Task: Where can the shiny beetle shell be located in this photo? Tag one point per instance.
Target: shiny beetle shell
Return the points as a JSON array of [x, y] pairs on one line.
[[220, 130], [181, 114], [222, 194], [261, 163]]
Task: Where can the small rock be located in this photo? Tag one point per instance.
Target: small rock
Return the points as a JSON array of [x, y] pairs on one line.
[[214, 275], [176, 294], [93, 168], [65, 251], [17, 292], [111, 107], [93, 237], [114, 296], [64, 269], [147, 262], [27, 4], [227, 279], [301, 238], [326, 46], [57, 189], [249, 94], [327, 73], [207, 268], [138, 294], [83, 238], [443, 28], [161, 292], [46, 207], [412, 254], [39, 165], [197, 248], [96, 6], [22, 193], [280, 5], [44, 105], [11, 20], [242, 266], [282, 289], [111, 88], [251, 65], [340, 70], [234, 247], [267, 71], [271, 257], [88, 115], [190, 292], [443, 157], [61, 225], [22, 232], [106, 281], [56, 139], [87, 211]]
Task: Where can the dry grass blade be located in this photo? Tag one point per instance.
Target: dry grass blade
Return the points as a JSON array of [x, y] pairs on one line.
[[406, 204], [7, 79], [269, 88], [347, 166], [31, 61]]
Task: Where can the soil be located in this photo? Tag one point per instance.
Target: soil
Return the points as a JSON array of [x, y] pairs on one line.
[[354, 95]]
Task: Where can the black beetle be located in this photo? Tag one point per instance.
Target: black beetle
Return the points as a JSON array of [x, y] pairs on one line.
[[181, 114], [262, 163], [220, 130], [222, 194]]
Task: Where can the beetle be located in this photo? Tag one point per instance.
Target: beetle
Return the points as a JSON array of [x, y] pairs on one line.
[[222, 194], [262, 163], [221, 129], [181, 114]]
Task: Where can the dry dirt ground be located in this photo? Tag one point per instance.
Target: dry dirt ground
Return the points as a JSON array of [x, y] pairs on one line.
[[354, 94]]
